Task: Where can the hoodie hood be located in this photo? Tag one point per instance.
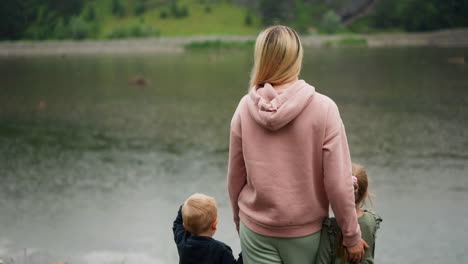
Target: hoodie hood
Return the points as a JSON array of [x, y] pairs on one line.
[[273, 110]]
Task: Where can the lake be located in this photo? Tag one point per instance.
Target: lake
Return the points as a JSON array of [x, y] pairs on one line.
[[93, 167]]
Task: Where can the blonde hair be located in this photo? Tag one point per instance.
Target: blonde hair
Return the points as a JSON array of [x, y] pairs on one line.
[[198, 213], [277, 56]]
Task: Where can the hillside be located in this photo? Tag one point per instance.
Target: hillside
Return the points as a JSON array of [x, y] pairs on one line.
[[116, 19], [181, 18], [122, 19]]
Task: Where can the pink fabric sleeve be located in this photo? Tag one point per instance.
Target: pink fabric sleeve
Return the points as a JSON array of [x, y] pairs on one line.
[[337, 177], [237, 175]]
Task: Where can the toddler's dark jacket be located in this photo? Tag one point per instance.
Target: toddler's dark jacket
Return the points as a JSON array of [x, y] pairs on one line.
[[200, 249]]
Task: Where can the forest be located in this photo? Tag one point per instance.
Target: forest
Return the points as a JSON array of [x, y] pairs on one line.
[[116, 19]]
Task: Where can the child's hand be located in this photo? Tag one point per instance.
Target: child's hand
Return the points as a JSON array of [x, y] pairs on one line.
[[356, 252]]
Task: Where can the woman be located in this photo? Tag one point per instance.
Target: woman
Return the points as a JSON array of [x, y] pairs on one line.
[[288, 160]]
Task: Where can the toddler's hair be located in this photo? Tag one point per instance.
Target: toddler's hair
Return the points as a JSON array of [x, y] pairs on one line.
[[360, 187], [198, 213]]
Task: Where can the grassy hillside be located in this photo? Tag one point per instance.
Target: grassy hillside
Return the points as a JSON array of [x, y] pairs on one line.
[[118, 19], [216, 18], [185, 17]]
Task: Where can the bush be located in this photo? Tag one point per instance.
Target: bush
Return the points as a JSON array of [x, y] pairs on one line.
[[363, 25], [140, 8], [43, 25], [78, 28], [303, 16], [178, 12], [420, 15], [37, 32], [207, 9], [331, 22], [135, 30], [117, 8], [90, 14], [349, 41], [60, 30], [174, 9], [218, 44], [184, 11], [274, 12], [163, 14], [248, 19]]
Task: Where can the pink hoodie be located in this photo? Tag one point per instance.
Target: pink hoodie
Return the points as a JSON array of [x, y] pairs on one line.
[[288, 160]]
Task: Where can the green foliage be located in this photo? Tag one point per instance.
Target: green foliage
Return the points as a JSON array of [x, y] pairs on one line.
[[331, 22], [178, 11], [225, 18], [184, 11], [117, 8], [348, 41], [218, 44], [421, 15], [49, 19], [90, 13], [36, 32], [61, 30], [308, 15], [12, 19], [363, 25], [78, 28], [248, 20], [34, 19], [163, 14], [273, 12], [134, 30], [49, 26], [302, 16], [140, 8], [62, 8], [43, 25]]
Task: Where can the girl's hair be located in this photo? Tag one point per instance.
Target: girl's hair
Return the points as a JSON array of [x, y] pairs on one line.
[[360, 186], [277, 56], [360, 193]]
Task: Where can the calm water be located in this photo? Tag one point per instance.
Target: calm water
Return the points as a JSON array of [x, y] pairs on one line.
[[95, 174]]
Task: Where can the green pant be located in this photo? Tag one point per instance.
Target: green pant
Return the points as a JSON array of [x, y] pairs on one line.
[[258, 249]]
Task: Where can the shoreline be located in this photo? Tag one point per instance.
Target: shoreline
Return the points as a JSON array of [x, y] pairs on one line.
[[442, 38]]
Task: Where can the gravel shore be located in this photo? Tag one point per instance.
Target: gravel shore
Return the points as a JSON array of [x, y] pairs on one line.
[[443, 38]]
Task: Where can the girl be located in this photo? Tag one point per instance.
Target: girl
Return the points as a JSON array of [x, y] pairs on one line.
[[288, 160], [331, 249]]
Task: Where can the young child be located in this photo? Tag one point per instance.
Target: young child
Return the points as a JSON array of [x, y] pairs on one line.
[[193, 230], [331, 248]]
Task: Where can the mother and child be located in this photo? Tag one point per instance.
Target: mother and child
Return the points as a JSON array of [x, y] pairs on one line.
[[289, 161]]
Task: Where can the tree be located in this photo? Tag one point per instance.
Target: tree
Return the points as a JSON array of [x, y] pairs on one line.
[[13, 19], [421, 15], [78, 28], [90, 14], [140, 8], [302, 16], [60, 30], [273, 11], [331, 22], [178, 11], [248, 19], [117, 8]]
